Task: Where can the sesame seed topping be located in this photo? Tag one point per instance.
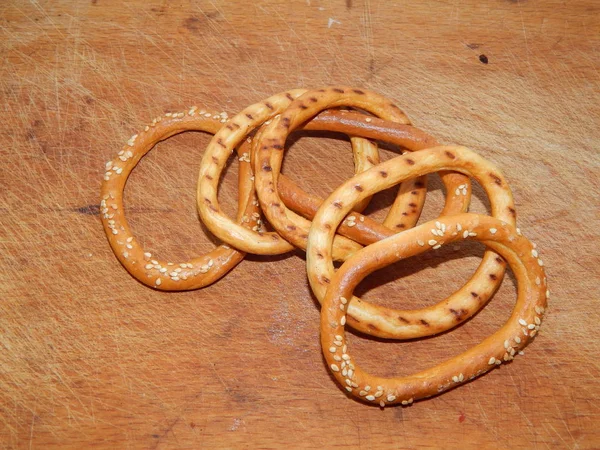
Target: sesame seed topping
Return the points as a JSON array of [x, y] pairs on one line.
[[382, 404], [348, 388], [435, 247], [466, 234], [534, 253], [368, 120], [344, 300], [338, 337], [148, 255], [518, 340], [362, 393], [391, 398], [149, 266], [531, 326], [537, 320], [547, 294], [335, 368], [421, 243], [158, 281], [367, 388], [337, 358], [493, 230], [522, 322], [332, 349], [492, 361], [370, 397], [538, 281], [540, 262], [458, 227], [432, 242], [343, 320], [519, 232]]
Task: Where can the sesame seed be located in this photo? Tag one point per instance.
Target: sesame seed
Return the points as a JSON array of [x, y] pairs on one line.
[[344, 300], [506, 344], [391, 398], [344, 371], [348, 388], [461, 377], [531, 326], [458, 227], [493, 230], [435, 247], [521, 353], [163, 270], [522, 322], [537, 320], [519, 232], [337, 358], [378, 394], [345, 356], [540, 262], [466, 234], [432, 242], [342, 307], [332, 349], [492, 361], [370, 397], [335, 368], [343, 320], [421, 243], [547, 294], [148, 255], [344, 348], [158, 281], [338, 343], [115, 232], [354, 385], [175, 278], [351, 224], [350, 373], [149, 266], [518, 340], [471, 233], [538, 281], [349, 382], [362, 393], [534, 253], [367, 388], [382, 404], [455, 379], [338, 337], [457, 191], [368, 120]]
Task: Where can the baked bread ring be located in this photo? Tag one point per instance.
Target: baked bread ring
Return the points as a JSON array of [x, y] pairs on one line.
[[211, 168], [142, 265], [502, 346], [389, 322]]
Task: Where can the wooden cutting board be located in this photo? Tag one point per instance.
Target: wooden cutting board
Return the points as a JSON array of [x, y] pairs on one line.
[[90, 357]]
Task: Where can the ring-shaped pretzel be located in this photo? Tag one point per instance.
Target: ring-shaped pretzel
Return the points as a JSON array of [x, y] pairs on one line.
[[212, 166], [403, 324], [502, 346], [142, 265]]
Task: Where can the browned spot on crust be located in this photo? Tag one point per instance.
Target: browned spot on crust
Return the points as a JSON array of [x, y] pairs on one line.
[[496, 179], [358, 91], [313, 99], [338, 90], [359, 188], [319, 255], [499, 260], [215, 160], [449, 154], [207, 201], [208, 177], [424, 322], [400, 225], [321, 90], [303, 106], [212, 207], [405, 213], [327, 226], [235, 125], [370, 160], [220, 142], [289, 96], [383, 173], [325, 280], [419, 184], [412, 205], [414, 192], [410, 162], [337, 205], [278, 146], [291, 227], [512, 211], [249, 116], [268, 105], [493, 276], [304, 236], [228, 126], [474, 294], [372, 327], [402, 319], [275, 205], [267, 168]]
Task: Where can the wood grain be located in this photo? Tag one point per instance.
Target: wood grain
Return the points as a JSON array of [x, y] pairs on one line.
[[89, 357]]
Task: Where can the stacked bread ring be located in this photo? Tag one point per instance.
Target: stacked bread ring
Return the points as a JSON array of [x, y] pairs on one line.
[[334, 229]]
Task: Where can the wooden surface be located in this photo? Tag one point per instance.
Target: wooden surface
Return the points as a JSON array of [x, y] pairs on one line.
[[88, 356]]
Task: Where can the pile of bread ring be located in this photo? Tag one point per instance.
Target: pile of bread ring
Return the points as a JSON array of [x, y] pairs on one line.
[[334, 229]]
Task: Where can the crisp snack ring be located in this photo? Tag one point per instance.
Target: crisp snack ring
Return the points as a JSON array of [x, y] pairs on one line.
[[212, 166], [392, 323], [502, 346], [142, 265]]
